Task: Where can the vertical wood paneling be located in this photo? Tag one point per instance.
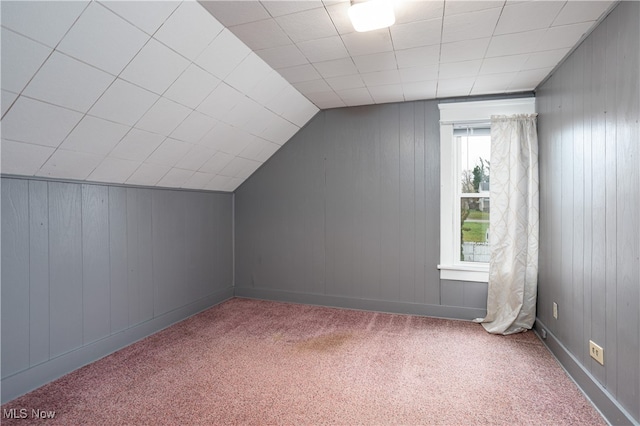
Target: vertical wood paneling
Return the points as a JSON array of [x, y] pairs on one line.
[[140, 277], [390, 202], [420, 203], [119, 282], [96, 292], [169, 270], [611, 57], [65, 267], [601, 82], [628, 209], [15, 277], [407, 200], [38, 272], [432, 211]]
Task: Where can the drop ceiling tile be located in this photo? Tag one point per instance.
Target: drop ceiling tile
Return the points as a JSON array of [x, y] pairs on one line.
[[155, 67], [246, 110], [38, 123], [299, 73], [220, 102], [464, 50], [459, 69], [220, 183], [546, 59], [192, 87], [68, 83], [279, 8], [43, 21], [385, 94], [354, 97], [198, 180], [231, 13], [21, 59], [574, 12], [463, 6], [411, 11], [137, 145], [103, 39], [227, 139], [416, 34], [468, 26], [527, 16], [194, 127], [163, 117], [565, 36], [251, 72], [381, 78], [529, 80], [196, 158], [370, 42], [261, 34], [419, 90], [428, 73], [339, 16], [94, 136], [227, 46], [312, 86], [280, 131], [346, 82], [8, 98], [175, 178], [294, 107], [283, 56], [146, 15], [259, 121], [376, 62], [307, 25], [455, 87], [325, 100], [514, 44], [269, 88], [114, 170], [70, 165], [324, 49], [23, 158], [123, 103], [336, 68], [258, 148], [189, 29], [418, 56], [148, 174], [493, 83], [216, 163], [169, 152], [240, 167], [502, 64]]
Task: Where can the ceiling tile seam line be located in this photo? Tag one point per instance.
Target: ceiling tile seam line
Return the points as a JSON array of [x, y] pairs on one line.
[[444, 12]]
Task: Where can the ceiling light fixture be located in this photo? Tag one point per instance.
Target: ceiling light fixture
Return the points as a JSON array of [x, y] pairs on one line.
[[368, 15]]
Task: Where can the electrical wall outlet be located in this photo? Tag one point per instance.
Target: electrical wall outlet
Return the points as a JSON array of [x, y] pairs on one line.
[[555, 310], [596, 352]]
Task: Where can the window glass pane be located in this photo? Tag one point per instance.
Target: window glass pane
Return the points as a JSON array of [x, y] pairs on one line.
[[474, 229], [475, 165]]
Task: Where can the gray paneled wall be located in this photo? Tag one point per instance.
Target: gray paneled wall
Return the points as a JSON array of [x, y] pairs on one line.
[[590, 203], [347, 213], [88, 268]]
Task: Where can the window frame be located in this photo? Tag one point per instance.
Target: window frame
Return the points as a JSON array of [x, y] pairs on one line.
[[463, 113]]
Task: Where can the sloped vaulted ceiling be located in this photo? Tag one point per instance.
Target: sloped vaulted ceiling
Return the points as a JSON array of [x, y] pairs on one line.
[[198, 95], [149, 93]]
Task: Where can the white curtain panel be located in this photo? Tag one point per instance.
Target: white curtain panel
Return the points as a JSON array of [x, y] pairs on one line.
[[514, 225]]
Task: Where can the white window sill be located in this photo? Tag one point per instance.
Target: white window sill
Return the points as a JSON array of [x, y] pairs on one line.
[[474, 273]]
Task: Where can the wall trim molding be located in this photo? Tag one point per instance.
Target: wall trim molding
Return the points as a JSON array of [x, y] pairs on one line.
[[32, 378], [595, 392], [437, 311]]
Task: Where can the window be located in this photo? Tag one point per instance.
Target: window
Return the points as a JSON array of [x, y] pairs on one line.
[[465, 170]]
